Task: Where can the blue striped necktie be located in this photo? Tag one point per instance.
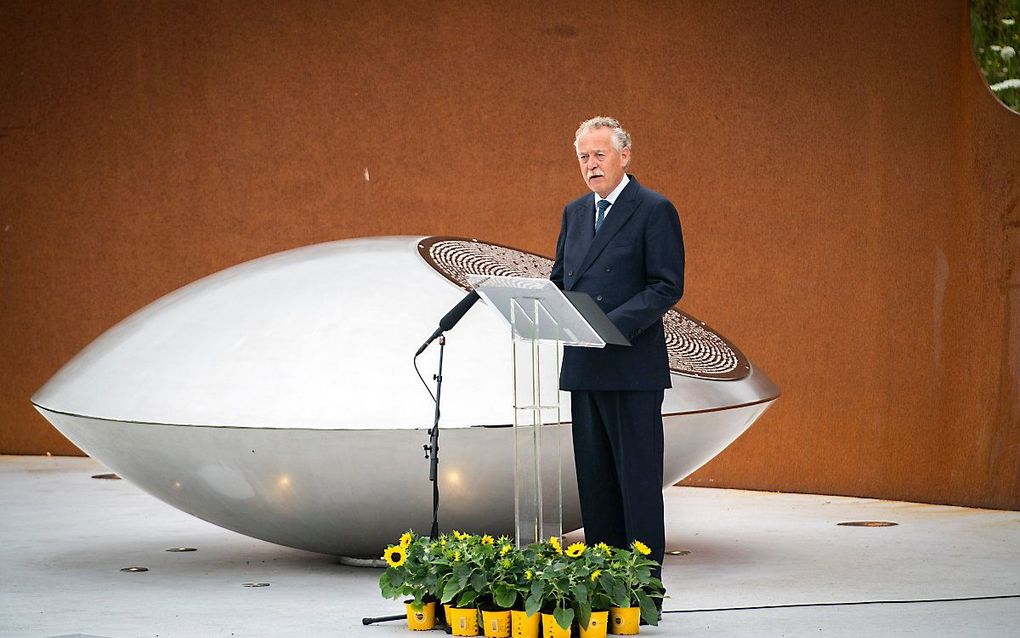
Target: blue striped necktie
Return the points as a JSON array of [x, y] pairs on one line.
[[600, 210]]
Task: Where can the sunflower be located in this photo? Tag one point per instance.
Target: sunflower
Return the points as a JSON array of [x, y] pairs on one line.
[[641, 548], [595, 575], [555, 543], [456, 556], [576, 550], [395, 555], [528, 574], [505, 550], [605, 549], [405, 539], [488, 540]]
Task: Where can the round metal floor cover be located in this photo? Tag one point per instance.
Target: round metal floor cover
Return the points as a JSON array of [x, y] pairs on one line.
[[868, 524]]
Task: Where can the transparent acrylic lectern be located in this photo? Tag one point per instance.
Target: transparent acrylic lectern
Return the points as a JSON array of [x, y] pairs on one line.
[[541, 320]]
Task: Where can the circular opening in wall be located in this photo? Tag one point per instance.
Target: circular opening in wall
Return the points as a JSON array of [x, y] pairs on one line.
[[995, 32], [868, 524], [109, 476]]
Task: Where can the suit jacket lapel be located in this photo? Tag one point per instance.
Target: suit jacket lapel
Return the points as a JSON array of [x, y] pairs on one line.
[[587, 215], [621, 211]]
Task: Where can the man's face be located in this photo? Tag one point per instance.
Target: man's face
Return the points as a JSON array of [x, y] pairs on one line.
[[602, 166]]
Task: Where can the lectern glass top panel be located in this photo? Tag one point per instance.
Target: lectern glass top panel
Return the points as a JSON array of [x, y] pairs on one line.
[[541, 312]]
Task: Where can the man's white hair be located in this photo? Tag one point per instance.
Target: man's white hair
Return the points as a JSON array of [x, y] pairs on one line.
[[621, 138]]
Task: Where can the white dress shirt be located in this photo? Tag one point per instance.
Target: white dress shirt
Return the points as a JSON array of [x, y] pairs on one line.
[[611, 198]]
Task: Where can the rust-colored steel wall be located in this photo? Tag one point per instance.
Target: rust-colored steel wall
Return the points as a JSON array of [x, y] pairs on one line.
[[848, 188]]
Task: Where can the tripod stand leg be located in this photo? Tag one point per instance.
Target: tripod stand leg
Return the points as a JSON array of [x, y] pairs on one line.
[[372, 621]]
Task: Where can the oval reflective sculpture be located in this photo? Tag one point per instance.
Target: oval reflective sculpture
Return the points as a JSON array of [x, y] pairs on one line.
[[278, 398]]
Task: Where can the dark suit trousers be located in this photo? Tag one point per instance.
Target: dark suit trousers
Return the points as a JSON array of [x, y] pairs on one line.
[[618, 456]]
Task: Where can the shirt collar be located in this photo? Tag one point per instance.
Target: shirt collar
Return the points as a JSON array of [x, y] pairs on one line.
[[616, 191]]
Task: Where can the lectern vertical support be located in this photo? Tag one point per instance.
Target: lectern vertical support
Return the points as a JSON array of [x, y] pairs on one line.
[[542, 318], [538, 506]]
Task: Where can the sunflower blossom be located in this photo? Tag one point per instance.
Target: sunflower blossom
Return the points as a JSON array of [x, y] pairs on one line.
[[595, 575], [505, 550], [456, 556], [487, 540], [555, 543], [605, 549], [528, 574], [641, 548], [395, 555], [576, 550], [405, 539]]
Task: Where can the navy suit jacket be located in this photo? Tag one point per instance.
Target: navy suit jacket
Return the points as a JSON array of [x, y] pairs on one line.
[[634, 269]]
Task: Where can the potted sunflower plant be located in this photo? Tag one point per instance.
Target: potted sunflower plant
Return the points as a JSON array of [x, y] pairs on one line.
[[500, 563], [632, 588], [595, 587], [554, 588], [461, 579], [409, 573]]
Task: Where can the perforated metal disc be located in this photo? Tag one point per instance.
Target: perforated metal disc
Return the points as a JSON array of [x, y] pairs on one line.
[[694, 349]]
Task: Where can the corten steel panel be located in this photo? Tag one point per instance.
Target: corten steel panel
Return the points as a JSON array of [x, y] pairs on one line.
[[843, 176]]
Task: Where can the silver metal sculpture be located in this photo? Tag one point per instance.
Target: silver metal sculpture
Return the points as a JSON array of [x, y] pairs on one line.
[[277, 398]]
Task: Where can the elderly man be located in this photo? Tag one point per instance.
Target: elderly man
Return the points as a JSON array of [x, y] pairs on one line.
[[624, 247]]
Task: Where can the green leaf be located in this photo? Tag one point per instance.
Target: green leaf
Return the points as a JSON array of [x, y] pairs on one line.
[[620, 595], [649, 613], [533, 603], [452, 589], [504, 596], [478, 581], [536, 587], [583, 613], [467, 599], [564, 617]]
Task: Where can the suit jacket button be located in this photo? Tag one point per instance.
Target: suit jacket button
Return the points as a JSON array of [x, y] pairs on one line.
[[608, 269], [599, 298], [570, 274]]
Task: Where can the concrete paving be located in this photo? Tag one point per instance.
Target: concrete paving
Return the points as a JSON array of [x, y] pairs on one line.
[[64, 538]]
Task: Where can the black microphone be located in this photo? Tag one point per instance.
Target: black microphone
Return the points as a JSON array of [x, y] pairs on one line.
[[450, 319]]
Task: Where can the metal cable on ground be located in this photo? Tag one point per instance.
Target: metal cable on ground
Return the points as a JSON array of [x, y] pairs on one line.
[[844, 604]]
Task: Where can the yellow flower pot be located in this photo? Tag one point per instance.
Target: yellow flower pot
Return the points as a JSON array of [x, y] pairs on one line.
[[496, 624], [624, 621], [423, 620], [597, 625], [464, 622], [524, 626], [552, 629]]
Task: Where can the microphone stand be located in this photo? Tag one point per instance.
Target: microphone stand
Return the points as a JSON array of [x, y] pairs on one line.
[[432, 449], [432, 454]]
